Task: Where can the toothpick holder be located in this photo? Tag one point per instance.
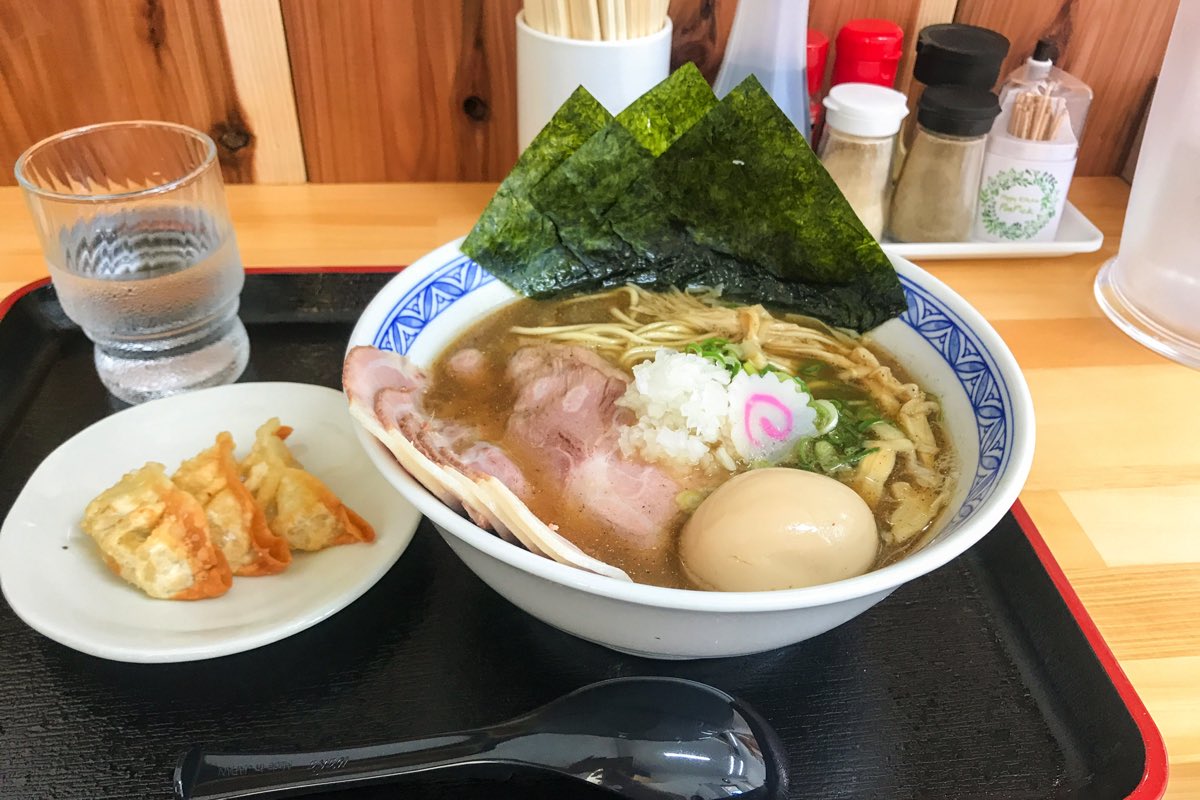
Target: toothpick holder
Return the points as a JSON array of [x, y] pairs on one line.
[[1023, 185], [550, 68]]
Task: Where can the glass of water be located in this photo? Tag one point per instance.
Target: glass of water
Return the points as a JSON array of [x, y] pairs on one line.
[[141, 251]]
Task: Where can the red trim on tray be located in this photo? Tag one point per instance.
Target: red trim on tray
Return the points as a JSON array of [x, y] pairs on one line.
[[1154, 778], [11, 300]]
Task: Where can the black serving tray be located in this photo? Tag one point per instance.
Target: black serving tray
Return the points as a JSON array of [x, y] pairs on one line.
[[984, 679]]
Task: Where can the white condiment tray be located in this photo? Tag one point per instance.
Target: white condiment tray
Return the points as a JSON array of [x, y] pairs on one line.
[[1076, 234]]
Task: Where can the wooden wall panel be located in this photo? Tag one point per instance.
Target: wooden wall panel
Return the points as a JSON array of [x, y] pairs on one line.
[[262, 75], [414, 90], [701, 31], [1115, 46], [65, 63], [425, 89]]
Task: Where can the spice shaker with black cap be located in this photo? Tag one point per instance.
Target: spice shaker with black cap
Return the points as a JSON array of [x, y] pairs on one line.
[[954, 54], [938, 186]]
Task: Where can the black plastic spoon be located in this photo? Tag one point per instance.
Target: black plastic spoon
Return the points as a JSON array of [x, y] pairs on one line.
[[640, 738]]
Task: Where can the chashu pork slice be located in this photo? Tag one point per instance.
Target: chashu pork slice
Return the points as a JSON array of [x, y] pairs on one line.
[[385, 393]]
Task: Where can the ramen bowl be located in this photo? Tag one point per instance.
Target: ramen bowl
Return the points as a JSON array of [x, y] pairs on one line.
[[943, 343]]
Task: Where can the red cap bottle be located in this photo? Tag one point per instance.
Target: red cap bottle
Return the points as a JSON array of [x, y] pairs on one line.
[[868, 51], [816, 55]]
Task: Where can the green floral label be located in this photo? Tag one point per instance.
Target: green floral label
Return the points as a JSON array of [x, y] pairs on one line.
[[1016, 204]]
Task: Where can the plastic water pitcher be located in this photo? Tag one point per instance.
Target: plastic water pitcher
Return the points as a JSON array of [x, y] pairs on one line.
[[768, 40], [1151, 289]]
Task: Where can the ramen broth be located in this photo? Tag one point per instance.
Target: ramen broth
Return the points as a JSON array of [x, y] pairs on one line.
[[484, 399]]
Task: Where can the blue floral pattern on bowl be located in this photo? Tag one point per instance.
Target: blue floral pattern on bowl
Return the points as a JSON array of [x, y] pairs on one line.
[[980, 378], [962, 350], [425, 301]]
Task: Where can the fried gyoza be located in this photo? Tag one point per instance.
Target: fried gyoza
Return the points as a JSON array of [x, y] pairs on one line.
[[297, 505], [236, 521], [155, 535]]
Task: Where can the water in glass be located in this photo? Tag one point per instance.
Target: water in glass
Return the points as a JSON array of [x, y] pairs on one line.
[[156, 290]]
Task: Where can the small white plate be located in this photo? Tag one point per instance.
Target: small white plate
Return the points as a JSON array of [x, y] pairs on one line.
[[1076, 234], [52, 575]]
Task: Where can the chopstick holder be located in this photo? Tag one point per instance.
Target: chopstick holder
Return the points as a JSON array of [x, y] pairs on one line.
[[616, 72]]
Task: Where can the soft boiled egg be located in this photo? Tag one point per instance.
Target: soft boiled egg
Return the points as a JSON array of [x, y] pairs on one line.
[[778, 528]]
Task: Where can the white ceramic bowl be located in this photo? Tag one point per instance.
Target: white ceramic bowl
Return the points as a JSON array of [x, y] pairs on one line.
[[946, 346]]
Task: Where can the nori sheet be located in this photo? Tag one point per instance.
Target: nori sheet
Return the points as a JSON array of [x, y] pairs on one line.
[[578, 193], [512, 239], [663, 114], [740, 201], [690, 194]]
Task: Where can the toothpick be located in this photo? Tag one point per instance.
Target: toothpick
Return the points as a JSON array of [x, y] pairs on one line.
[[1060, 117]]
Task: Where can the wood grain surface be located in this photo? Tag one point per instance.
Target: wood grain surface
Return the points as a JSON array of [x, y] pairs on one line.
[[417, 90], [65, 63], [1115, 486], [701, 32], [262, 76], [1115, 46], [424, 90]]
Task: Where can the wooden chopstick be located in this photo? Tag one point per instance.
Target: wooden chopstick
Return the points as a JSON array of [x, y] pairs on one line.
[[593, 9], [562, 18], [659, 20], [534, 15], [597, 20], [579, 21]]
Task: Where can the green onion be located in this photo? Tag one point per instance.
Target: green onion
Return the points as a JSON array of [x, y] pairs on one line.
[[721, 352], [838, 447], [827, 416], [812, 370]]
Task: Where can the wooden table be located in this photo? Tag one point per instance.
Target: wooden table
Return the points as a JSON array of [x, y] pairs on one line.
[[1115, 486]]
